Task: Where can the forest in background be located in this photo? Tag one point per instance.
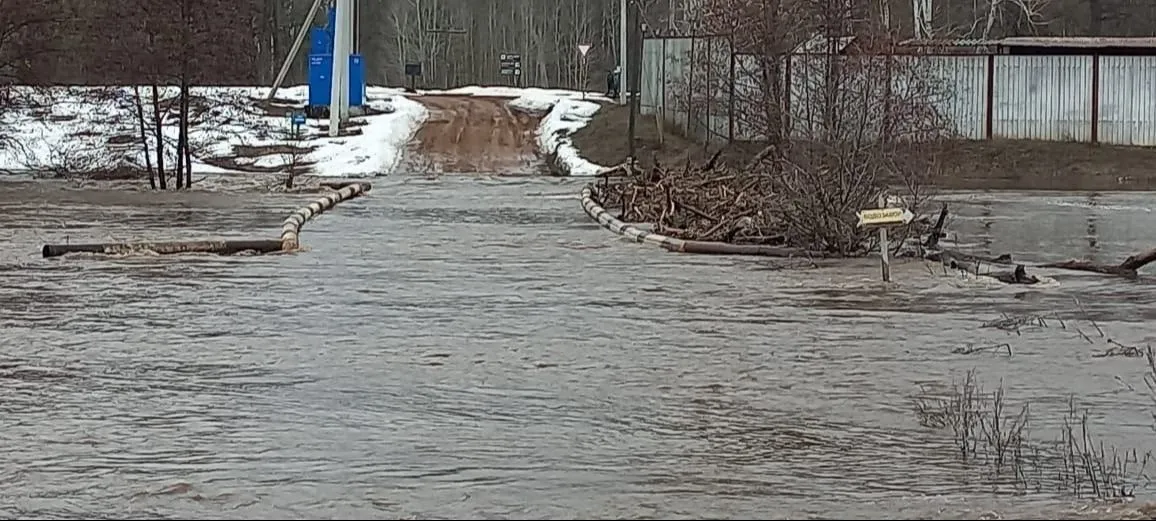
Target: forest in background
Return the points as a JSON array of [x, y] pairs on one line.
[[87, 41]]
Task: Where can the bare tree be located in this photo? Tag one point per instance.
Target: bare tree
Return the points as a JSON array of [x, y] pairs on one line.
[[545, 33], [165, 52], [26, 41], [986, 19], [841, 116]]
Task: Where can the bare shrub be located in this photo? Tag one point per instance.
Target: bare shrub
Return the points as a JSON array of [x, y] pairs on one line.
[[840, 126], [989, 435], [1095, 335]]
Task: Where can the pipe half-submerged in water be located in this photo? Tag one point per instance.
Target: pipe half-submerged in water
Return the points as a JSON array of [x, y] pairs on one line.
[[290, 233], [165, 248]]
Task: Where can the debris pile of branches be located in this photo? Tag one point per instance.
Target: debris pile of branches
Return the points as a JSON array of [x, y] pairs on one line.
[[806, 200], [708, 202]]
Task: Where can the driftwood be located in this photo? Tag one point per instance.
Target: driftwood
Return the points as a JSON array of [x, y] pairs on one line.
[[1128, 268], [937, 230], [1019, 275], [1016, 276], [166, 248], [949, 256], [291, 227]]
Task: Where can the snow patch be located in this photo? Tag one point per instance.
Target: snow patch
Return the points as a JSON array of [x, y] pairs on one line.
[[565, 118], [85, 129], [565, 114], [377, 150]]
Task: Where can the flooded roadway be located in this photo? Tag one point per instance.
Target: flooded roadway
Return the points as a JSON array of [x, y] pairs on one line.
[[481, 349]]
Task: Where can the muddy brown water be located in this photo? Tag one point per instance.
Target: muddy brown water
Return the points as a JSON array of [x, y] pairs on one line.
[[473, 348]]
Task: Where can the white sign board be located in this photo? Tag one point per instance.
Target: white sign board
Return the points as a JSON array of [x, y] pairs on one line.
[[584, 48], [884, 216]]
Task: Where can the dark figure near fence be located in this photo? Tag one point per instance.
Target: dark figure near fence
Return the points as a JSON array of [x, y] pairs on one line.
[[612, 83]]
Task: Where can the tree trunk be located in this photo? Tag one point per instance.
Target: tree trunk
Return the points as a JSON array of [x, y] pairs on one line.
[[144, 140], [159, 134], [185, 149]]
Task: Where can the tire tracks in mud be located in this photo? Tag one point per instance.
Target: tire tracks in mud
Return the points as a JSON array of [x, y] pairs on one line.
[[473, 134]]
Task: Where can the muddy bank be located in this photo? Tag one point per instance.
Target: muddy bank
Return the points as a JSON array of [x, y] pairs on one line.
[[968, 165]]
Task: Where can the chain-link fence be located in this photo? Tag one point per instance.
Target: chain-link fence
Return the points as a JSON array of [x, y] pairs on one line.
[[686, 82], [703, 88]]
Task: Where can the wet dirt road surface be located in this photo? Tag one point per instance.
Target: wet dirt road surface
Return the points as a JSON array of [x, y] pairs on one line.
[[465, 134], [480, 349]]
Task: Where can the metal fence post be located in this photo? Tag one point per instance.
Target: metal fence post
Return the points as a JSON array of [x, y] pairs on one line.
[[664, 81], [690, 88], [1095, 98], [989, 101], [709, 133], [731, 96]]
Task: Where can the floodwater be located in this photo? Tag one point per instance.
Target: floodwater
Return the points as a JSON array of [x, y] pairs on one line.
[[478, 348]]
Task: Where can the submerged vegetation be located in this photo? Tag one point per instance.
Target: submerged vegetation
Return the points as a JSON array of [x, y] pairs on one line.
[[994, 434]]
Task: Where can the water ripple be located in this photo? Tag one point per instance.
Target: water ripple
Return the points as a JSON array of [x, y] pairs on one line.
[[457, 349]]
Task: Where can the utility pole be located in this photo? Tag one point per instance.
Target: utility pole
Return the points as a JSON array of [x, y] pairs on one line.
[[622, 75], [633, 70], [339, 92], [345, 61]]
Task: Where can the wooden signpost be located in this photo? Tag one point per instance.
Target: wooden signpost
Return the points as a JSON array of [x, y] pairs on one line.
[[883, 218]]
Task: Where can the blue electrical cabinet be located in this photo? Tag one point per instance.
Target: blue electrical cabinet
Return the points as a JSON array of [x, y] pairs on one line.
[[322, 41], [356, 80], [321, 67], [320, 78], [321, 74]]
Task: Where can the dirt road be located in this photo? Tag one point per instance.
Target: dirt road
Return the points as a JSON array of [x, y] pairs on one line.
[[473, 134]]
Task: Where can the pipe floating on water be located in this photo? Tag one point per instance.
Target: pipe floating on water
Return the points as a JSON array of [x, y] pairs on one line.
[[291, 227], [166, 248], [289, 241]]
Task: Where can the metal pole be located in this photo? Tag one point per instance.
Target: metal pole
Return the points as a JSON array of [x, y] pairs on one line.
[[623, 84], [296, 49], [884, 247], [347, 19], [632, 63], [339, 66]]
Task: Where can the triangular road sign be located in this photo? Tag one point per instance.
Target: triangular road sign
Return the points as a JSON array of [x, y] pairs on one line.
[[584, 48]]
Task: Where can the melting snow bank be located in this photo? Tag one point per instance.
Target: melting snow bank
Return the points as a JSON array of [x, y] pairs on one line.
[[565, 111], [95, 130], [566, 116]]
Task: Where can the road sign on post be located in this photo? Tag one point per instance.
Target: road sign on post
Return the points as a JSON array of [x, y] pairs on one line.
[[510, 65], [413, 70], [882, 218], [296, 119], [583, 49]]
